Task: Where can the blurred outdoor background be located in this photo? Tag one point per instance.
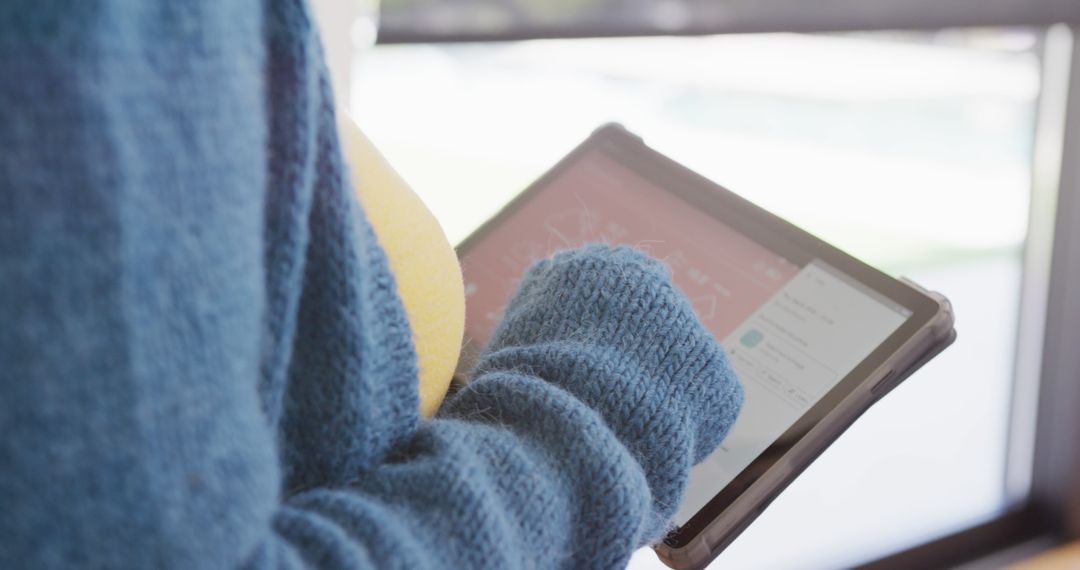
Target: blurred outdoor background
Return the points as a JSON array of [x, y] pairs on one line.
[[912, 150]]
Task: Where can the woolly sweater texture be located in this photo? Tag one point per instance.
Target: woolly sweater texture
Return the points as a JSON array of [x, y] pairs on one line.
[[203, 359]]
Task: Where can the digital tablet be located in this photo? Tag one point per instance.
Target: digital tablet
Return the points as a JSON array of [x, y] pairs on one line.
[[815, 335]]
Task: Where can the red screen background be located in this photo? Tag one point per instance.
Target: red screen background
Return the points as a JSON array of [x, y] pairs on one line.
[[725, 274]]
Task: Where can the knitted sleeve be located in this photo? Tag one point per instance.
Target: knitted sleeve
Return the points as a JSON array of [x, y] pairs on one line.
[[135, 158], [569, 449]]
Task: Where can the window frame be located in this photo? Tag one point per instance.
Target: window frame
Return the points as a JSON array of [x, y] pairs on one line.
[[763, 16], [1056, 464]]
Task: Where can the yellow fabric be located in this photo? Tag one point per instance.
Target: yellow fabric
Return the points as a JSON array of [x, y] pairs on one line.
[[424, 264]]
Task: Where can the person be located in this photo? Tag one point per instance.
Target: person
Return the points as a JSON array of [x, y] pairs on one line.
[[204, 360]]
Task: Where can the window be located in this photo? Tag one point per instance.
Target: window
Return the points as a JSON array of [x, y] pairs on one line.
[[826, 130]]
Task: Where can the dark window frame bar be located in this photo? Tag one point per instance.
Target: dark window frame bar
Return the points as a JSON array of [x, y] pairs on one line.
[[397, 37], [764, 16], [1056, 468]]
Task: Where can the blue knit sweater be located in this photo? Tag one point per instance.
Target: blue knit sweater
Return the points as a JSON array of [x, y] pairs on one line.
[[203, 361]]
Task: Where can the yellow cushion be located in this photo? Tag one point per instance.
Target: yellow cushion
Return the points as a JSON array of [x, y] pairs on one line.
[[424, 264]]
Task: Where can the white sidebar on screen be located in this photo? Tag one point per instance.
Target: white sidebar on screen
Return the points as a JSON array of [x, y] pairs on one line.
[[788, 354]]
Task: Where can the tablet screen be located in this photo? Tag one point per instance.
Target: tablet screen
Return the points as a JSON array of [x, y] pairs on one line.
[[793, 328]]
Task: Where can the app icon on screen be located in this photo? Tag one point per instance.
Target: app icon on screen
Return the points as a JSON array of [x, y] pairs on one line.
[[751, 338]]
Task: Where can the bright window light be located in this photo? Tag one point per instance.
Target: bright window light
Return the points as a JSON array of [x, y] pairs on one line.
[[910, 151]]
